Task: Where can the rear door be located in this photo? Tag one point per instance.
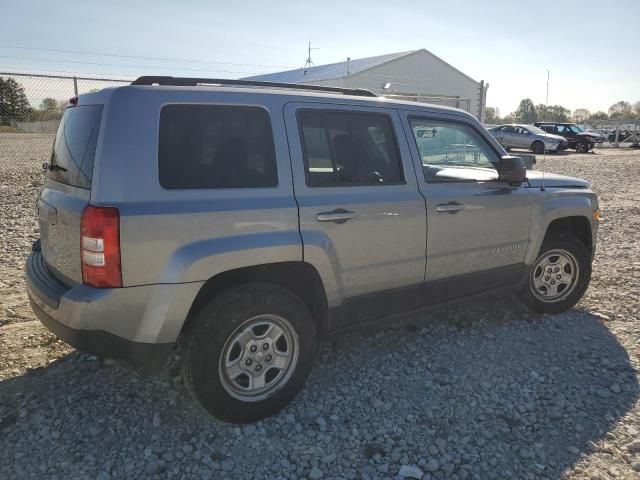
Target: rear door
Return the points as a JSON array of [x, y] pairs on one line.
[[67, 190], [361, 214]]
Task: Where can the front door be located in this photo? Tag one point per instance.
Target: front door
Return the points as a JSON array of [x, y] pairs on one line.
[[477, 227], [362, 217], [522, 137]]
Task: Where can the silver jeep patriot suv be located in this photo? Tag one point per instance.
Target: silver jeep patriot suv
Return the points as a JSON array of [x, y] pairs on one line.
[[242, 220]]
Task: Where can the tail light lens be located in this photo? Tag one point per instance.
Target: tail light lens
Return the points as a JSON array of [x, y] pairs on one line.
[[100, 247]]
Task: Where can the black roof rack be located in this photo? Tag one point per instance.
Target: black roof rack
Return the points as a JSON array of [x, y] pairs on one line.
[[192, 82]]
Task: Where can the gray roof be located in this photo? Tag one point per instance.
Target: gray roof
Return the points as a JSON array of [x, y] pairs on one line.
[[330, 71]]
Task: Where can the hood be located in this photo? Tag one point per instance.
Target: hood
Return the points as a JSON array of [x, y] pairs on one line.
[[555, 137], [590, 134], [534, 178]]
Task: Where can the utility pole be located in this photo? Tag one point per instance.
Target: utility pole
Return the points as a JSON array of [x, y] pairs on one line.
[[547, 101]]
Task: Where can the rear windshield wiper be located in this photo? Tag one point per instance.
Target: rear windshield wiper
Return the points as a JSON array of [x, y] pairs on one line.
[[53, 167]]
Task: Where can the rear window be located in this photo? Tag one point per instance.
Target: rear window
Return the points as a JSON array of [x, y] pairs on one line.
[[211, 146], [74, 149]]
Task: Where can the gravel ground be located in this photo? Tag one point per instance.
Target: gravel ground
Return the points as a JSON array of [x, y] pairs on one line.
[[471, 391]]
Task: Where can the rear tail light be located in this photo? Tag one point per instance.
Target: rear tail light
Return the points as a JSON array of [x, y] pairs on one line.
[[100, 247]]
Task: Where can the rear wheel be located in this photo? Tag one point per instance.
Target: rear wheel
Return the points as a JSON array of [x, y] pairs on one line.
[[249, 352], [582, 147], [559, 276], [537, 147]]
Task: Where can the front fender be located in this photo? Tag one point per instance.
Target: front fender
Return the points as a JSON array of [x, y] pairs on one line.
[[553, 204]]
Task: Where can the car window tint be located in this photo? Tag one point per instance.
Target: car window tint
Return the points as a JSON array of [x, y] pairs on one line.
[[453, 152], [348, 149], [74, 148], [211, 146]]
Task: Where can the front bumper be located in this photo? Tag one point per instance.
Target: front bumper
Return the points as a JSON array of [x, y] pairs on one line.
[[104, 322]]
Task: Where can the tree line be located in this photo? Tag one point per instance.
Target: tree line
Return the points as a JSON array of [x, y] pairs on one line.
[[528, 113], [15, 107]]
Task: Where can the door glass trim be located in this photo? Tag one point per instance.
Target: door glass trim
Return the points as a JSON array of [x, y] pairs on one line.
[[324, 111], [476, 133]]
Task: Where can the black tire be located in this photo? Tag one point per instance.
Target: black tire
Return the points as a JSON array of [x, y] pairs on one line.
[[582, 147], [563, 242], [220, 318], [537, 147]]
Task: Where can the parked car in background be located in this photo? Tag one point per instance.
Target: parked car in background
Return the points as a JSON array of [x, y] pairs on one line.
[[623, 134], [578, 139], [529, 137]]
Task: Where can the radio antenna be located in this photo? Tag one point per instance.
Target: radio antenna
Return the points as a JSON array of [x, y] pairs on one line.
[[544, 157]]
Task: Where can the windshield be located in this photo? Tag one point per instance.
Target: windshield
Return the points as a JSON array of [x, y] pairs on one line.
[[536, 130], [575, 129]]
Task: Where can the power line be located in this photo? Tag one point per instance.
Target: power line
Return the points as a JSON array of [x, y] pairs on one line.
[[75, 52], [129, 66]]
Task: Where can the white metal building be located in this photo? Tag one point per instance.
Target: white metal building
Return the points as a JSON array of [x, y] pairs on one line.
[[416, 75]]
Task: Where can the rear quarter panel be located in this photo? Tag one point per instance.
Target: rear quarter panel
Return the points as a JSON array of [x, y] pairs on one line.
[[176, 236]]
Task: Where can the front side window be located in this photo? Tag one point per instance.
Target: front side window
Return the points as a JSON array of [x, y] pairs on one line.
[[348, 149], [213, 146], [453, 152]]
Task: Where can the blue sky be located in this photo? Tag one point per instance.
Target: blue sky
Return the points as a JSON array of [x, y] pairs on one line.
[[591, 47]]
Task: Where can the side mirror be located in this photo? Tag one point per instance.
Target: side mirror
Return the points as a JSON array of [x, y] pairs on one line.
[[511, 170]]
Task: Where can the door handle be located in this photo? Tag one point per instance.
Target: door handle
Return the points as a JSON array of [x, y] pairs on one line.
[[339, 215], [451, 207]]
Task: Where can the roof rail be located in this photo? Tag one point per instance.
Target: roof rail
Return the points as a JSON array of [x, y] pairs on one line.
[[192, 82]]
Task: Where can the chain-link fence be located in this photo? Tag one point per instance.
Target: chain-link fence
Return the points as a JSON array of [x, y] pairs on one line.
[[31, 103]]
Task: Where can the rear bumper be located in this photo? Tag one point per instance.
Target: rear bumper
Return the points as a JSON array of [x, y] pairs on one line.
[[138, 325], [149, 357]]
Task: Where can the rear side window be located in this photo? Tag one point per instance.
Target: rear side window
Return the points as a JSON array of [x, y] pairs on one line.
[[343, 149], [74, 149], [210, 146]]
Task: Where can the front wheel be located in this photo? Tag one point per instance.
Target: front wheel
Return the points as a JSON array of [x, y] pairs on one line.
[[537, 147], [559, 276], [249, 352]]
